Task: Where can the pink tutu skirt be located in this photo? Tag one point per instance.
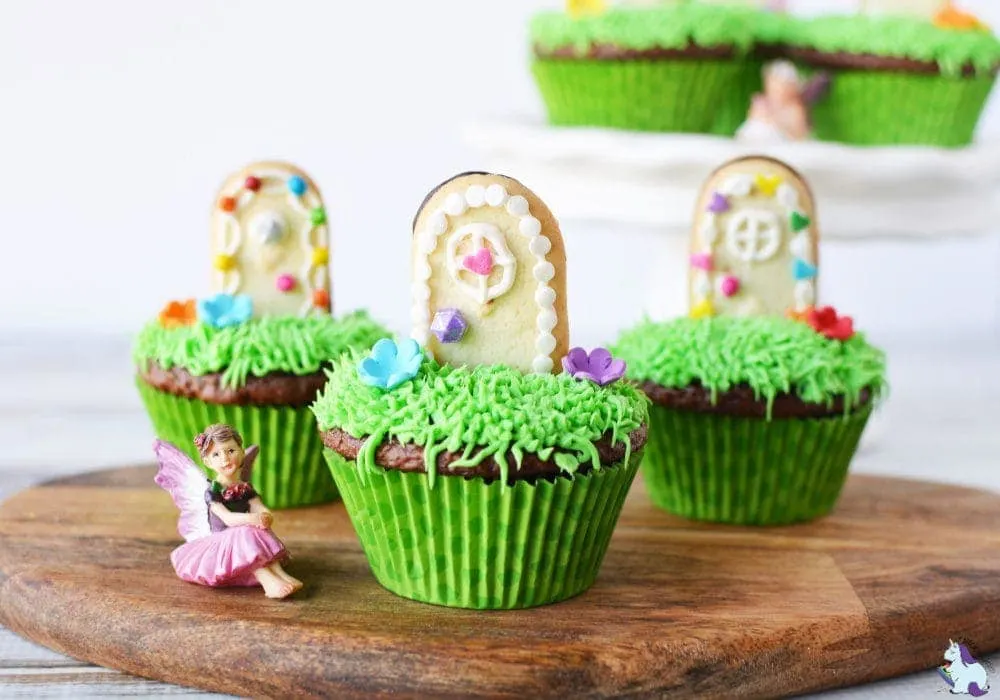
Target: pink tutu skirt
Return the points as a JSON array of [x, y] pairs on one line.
[[228, 558]]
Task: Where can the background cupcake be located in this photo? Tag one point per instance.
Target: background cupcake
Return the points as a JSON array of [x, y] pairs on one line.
[[897, 80], [686, 67], [755, 420], [473, 474], [252, 355]]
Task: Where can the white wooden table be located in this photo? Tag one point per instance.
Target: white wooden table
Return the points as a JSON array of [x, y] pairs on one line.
[[67, 405]]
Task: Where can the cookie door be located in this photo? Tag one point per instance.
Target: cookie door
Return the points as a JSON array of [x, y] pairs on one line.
[[270, 241], [754, 241], [489, 276]]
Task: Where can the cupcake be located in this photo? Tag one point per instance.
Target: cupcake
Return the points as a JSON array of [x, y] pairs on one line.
[[684, 68], [755, 419], [897, 80], [475, 475], [253, 354]]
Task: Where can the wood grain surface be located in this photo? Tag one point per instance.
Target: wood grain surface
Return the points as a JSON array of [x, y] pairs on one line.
[[680, 609]]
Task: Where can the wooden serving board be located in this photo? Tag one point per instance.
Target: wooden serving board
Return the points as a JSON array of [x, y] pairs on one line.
[[680, 609]]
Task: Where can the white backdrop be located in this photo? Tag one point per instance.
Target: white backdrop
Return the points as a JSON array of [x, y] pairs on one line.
[[119, 120]]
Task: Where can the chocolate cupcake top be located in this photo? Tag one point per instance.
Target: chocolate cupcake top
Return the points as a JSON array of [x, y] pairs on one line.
[[282, 346], [487, 414], [948, 46], [642, 32], [755, 360]]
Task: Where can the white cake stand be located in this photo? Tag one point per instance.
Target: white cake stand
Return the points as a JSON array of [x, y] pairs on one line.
[[640, 189]]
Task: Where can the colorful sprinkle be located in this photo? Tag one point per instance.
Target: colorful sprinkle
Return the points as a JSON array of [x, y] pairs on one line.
[[285, 283], [729, 286], [702, 261], [767, 186], [585, 8], [179, 313], [320, 256], [481, 263], [703, 309], [801, 270], [227, 204], [318, 216], [799, 221], [449, 326], [321, 299], [296, 185], [252, 183], [224, 262], [718, 204]]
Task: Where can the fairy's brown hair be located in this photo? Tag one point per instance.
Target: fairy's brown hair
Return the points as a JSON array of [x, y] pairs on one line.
[[218, 432]]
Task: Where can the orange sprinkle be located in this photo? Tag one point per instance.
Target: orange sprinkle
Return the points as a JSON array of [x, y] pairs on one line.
[[227, 204], [179, 313], [950, 17], [321, 299]]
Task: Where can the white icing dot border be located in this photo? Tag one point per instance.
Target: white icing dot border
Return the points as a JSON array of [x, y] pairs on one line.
[[493, 196], [228, 238], [741, 185]]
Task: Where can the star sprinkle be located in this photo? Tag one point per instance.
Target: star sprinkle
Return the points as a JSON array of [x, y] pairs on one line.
[[767, 186]]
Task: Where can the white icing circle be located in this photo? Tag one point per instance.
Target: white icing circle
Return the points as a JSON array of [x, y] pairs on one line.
[[438, 223], [545, 296], [546, 343], [702, 285], [421, 291], [454, 205], [544, 271], [421, 336], [542, 364], [709, 232], [496, 195], [420, 314], [423, 272], [546, 320], [540, 246], [517, 205], [475, 196], [800, 247], [805, 293], [529, 226], [787, 196], [737, 185], [428, 242]]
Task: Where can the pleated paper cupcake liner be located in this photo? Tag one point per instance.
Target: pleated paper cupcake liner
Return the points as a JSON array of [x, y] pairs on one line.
[[289, 472], [748, 471], [732, 110], [874, 108], [468, 544], [656, 95]]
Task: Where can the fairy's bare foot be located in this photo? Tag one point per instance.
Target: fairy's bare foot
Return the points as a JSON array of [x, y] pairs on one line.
[[274, 586], [280, 571]]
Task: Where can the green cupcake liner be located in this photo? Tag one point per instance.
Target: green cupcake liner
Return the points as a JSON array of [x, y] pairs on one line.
[[731, 112], [464, 543], [748, 471], [289, 471], [654, 95], [875, 108]]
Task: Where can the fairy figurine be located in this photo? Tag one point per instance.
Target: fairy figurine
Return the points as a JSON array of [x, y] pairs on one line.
[[226, 527]]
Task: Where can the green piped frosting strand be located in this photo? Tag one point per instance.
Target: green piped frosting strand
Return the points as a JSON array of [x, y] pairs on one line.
[[259, 347], [482, 412], [642, 28], [895, 37], [772, 355]]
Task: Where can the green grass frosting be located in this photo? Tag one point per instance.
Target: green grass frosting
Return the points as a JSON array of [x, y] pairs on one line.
[[897, 37], [481, 412], [256, 348], [641, 28], [772, 355]]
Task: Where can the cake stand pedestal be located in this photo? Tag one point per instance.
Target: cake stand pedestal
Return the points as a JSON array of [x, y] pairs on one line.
[[680, 609]]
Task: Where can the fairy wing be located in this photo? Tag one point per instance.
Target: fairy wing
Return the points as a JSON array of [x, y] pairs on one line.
[[186, 484], [248, 461]]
